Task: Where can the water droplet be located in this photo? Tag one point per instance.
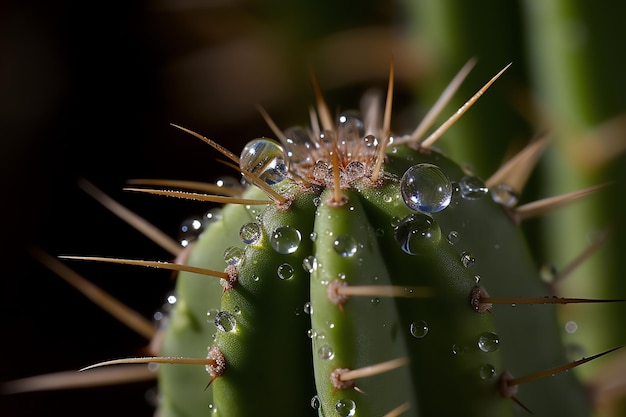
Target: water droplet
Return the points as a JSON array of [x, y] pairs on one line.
[[285, 271], [225, 322], [488, 342], [326, 352], [467, 259], [419, 329], [472, 188], [345, 245], [315, 402], [309, 263], [476, 279], [417, 233], [426, 188], [189, 230], [285, 239], [453, 237], [265, 159], [350, 126], [487, 371], [250, 233], [345, 408], [571, 327], [308, 308], [375, 301], [311, 333], [321, 170], [233, 255], [313, 236], [504, 195]]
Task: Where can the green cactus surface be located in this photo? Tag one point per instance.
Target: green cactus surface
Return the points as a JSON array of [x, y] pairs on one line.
[[378, 263]]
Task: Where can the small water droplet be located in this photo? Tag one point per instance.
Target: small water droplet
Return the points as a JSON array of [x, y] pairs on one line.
[[285, 239], [487, 371], [309, 263], [313, 236], [265, 159], [472, 188], [426, 188], [225, 322], [345, 245], [315, 402], [453, 237], [375, 301], [476, 279], [250, 233], [311, 333], [355, 170], [345, 408], [233, 255], [467, 259], [488, 342], [504, 195], [326, 352], [419, 329], [308, 308], [285, 271], [417, 233]]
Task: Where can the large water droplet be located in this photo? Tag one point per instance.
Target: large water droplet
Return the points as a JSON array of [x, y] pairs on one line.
[[419, 329], [233, 255], [345, 408], [285, 271], [488, 342], [426, 188], [265, 159], [472, 188], [285, 239], [345, 245], [225, 322], [417, 233], [250, 233], [326, 352]]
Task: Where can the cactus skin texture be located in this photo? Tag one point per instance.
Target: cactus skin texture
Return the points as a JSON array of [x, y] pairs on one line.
[[282, 333]]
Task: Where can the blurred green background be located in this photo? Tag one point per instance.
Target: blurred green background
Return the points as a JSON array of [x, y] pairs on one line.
[[87, 90]]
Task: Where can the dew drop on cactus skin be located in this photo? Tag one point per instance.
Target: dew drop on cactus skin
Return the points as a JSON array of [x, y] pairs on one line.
[[426, 188], [225, 322], [326, 352], [233, 255], [345, 408], [285, 240], [309, 263], [250, 233], [298, 145], [487, 371], [419, 329], [265, 159], [504, 195], [285, 271], [345, 245], [488, 342], [417, 233]]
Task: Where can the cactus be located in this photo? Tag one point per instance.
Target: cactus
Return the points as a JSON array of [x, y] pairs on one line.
[[357, 270], [344, 267]]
